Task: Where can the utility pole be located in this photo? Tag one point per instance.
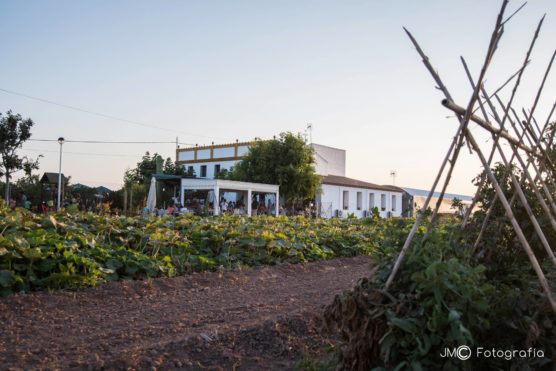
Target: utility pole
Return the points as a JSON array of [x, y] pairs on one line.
[[310, 131], [61, 141]]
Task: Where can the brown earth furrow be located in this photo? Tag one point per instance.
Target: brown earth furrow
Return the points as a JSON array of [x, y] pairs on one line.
[[199, 320]]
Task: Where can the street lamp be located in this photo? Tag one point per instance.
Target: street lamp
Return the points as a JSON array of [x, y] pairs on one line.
[[61, 141]]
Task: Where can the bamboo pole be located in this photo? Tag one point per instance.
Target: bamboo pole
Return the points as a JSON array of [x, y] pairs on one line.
[[540, 168], [515, 182], [538, 177], [486, 125], [474, 97], [533, 120], [526, 125], [491, 208], [506, 108], [538, 141], [518, 72], [534, 143], [493, 149], [509, 213], [455, 140], [519, 191]]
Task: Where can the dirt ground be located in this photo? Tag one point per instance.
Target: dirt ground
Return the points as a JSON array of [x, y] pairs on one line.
[[259, 318]]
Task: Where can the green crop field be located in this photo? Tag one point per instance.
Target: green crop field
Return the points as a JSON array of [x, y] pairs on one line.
[[73, 250]]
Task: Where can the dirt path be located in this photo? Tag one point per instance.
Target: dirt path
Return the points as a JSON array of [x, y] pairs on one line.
[[252, 319]]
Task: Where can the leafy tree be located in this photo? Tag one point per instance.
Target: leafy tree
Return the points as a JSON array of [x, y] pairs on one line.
[[31, 187], [287, 161], [499, 241], [14, 131], [147, 167]]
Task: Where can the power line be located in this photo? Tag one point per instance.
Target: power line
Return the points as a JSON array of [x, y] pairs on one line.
[[83, 110], [107, 141], [82, 153]]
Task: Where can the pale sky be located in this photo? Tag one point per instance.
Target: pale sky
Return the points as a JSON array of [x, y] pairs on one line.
[[223, 70]]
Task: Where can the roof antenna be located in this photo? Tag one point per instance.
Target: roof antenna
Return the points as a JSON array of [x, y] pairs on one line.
[[393, 174]]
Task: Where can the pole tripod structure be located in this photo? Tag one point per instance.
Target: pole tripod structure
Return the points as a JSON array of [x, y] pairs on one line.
[[529, 153]]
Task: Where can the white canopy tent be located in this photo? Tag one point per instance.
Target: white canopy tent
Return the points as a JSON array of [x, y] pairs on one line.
[[151, 198], [218, 185]]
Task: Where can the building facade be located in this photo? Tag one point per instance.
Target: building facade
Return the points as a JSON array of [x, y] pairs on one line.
[[207, 161], [340, 196]]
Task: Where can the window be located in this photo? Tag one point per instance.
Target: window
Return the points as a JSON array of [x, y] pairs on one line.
[[345, 201], [190, 169], [216, 169], [359, 200], [393, 202], [371, 201], [203, 171], [383, 202]]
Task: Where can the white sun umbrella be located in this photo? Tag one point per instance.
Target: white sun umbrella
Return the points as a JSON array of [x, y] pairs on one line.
[[151, 198]]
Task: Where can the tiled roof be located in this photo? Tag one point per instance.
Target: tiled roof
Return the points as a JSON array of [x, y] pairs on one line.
[[349, 182]]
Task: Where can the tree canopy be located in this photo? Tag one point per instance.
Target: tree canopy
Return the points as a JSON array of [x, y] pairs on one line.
[[14, 131], [287, 161], [148, 166]]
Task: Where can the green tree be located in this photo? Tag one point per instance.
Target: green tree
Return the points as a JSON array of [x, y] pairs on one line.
[[14, 131], [30, 186], [499, 241], [287, 161], [148, 166]]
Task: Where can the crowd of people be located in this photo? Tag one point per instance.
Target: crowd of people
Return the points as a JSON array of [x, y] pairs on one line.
[[49, 205], [203, 207], [193, 206]]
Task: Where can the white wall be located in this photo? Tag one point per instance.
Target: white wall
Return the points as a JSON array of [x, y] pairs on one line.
[[329, 161], [331, 199]]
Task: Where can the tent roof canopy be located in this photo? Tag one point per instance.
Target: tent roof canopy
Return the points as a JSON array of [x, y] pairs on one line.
[[161, 176], [52, 178], [198, 184]]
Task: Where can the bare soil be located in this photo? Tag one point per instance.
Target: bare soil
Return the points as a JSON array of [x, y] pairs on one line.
[[253, 319]]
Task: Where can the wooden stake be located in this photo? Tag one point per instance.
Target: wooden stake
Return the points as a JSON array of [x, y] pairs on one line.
[[515, 182], [457, 138], [526, 127], [509, 213]]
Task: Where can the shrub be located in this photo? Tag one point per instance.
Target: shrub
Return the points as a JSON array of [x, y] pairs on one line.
[[440, 300]]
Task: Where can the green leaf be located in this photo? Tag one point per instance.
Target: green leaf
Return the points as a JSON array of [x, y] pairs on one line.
[[400, 366], [47, 265], [416, 366], [6, 278], [409, 325], [32, 254]]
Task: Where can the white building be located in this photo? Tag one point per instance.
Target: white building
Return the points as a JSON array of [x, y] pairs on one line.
[[340, 196], [414, 200], [207, 161], [343, 196]]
